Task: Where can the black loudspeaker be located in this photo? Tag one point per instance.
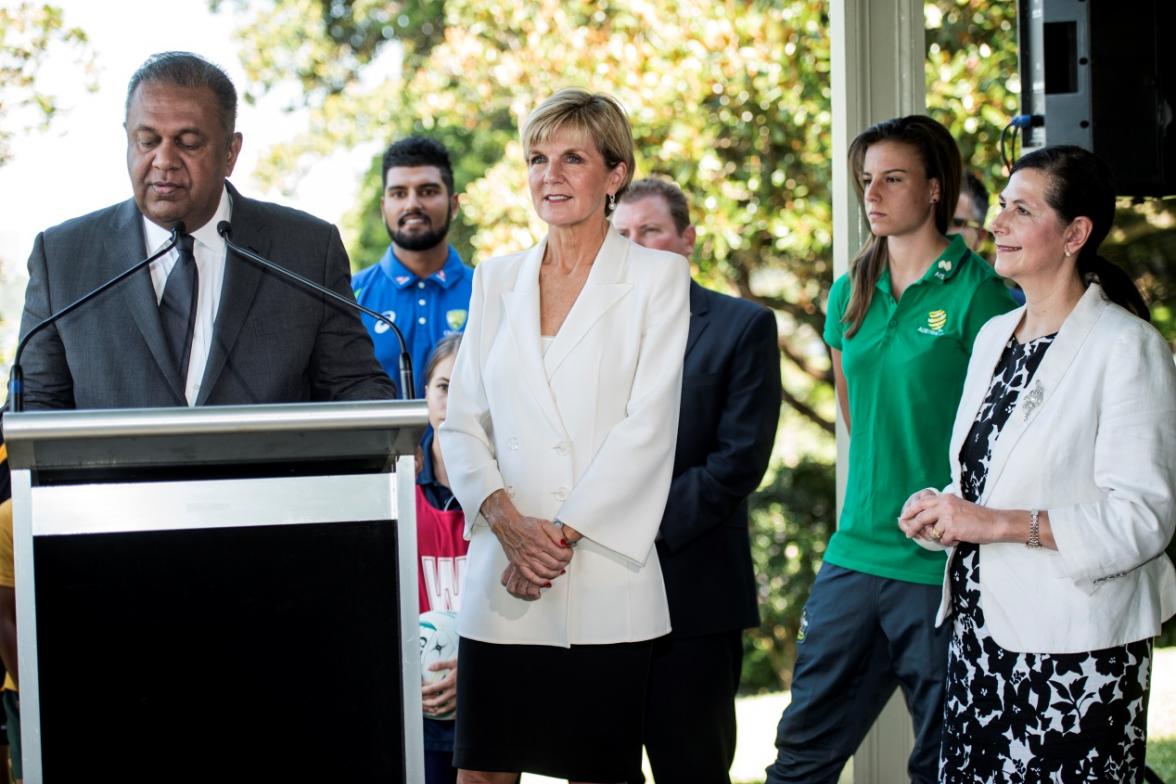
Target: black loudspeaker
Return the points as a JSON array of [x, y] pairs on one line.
[[1102, 76]]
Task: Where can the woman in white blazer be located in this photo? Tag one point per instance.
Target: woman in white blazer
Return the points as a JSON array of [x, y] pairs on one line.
[[559, 441], [1062, 502]]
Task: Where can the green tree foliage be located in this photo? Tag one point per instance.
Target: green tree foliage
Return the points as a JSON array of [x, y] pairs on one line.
[[972, 82], [31, 33]]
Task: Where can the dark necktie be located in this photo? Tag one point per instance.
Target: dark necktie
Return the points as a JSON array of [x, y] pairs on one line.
[[177, 308]]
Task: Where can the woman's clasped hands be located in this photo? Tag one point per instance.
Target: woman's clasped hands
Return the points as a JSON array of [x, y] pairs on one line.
[[946, 519], [538, 550]]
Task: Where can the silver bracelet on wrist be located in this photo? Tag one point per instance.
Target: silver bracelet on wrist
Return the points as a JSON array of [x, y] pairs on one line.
[[1034, 529]]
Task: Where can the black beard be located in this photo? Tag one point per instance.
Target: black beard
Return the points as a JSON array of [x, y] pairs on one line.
[[423, 241]]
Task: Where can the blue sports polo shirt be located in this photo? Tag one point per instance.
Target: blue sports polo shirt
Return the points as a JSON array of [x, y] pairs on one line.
[[425, 310]]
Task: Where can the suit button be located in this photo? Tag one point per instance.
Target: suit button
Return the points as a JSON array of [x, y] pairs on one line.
[[512, 443], [561, 448], [510, 491], [561, 494]]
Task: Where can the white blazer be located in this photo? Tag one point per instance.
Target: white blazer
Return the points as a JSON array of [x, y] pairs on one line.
[[584, 433], [1093, 441]]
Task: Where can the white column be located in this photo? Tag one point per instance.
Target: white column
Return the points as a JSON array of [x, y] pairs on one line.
[[878, 55]]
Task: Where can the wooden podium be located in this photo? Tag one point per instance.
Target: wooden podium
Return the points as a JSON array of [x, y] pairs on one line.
[[218, 594]]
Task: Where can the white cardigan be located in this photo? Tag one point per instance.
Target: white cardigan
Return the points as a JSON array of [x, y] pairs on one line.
[[1093, 441], [584, 433]]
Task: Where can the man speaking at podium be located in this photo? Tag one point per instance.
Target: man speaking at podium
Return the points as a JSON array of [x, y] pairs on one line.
[[201, 325]]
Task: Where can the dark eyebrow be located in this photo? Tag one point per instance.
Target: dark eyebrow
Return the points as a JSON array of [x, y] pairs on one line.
[[1006, 200], [152, 129], [865, 173], [414, 186]]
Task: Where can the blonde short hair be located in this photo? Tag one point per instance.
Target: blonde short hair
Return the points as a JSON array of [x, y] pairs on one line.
[[598, 115]]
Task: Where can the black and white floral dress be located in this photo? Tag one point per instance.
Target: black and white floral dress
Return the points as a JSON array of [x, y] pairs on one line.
[[1031, 717]]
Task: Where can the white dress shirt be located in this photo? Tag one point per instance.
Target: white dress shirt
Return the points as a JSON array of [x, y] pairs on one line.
[[209, 250]]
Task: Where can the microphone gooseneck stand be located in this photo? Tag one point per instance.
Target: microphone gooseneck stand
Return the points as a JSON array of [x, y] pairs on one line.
[[225, 229], [16, 390]]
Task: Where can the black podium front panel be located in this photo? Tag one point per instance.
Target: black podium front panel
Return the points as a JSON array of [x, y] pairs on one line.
[[255, 629], [252, 653]]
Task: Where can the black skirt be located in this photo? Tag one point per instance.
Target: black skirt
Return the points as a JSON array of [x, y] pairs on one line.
[[574, 713]]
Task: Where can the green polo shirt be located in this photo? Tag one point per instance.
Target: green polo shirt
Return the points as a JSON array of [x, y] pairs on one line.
[[905, 371]]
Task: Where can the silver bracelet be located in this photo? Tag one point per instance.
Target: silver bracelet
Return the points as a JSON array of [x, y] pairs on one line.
[[1034, 530]]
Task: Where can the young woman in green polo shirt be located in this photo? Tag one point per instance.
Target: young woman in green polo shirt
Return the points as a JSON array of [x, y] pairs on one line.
[[900, 326]]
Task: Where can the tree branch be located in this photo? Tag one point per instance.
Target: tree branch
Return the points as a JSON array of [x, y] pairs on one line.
[[813, 317], [805, 312], [820, 376], [808, 412]]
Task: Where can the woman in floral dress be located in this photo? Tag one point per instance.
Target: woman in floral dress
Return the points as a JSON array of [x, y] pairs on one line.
[[1062, 500]]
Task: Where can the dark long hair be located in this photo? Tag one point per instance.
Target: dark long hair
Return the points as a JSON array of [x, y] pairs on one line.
[[941, 161], [1080, 184]]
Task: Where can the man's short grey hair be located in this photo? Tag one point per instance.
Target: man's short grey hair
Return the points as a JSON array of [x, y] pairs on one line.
[[185, 69], [656, 187]]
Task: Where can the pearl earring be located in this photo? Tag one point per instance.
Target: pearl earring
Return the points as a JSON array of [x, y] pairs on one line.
[[612, 202]]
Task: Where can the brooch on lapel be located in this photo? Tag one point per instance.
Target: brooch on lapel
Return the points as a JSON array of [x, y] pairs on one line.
[[1033, 398]]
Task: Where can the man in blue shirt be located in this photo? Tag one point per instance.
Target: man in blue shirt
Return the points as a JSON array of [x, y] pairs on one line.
[[420, 283]]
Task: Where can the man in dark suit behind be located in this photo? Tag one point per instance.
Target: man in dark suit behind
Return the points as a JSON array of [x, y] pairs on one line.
[[250, 336], [730, 408]]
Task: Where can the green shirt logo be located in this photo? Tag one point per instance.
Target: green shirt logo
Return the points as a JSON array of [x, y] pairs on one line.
[[936, 321]]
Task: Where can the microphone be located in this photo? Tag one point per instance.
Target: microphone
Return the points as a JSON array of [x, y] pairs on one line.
[[225, 229], [16, 390]]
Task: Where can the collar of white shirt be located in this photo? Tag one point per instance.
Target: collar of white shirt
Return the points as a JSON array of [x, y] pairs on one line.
[[155, 237]]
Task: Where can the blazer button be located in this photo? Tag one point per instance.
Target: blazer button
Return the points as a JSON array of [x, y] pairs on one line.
[[561, 448], [512, 442], [510, 491], [561, 494]]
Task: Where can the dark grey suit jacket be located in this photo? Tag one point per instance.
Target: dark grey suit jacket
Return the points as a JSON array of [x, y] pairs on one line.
[[272, 342], [730, 408]]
